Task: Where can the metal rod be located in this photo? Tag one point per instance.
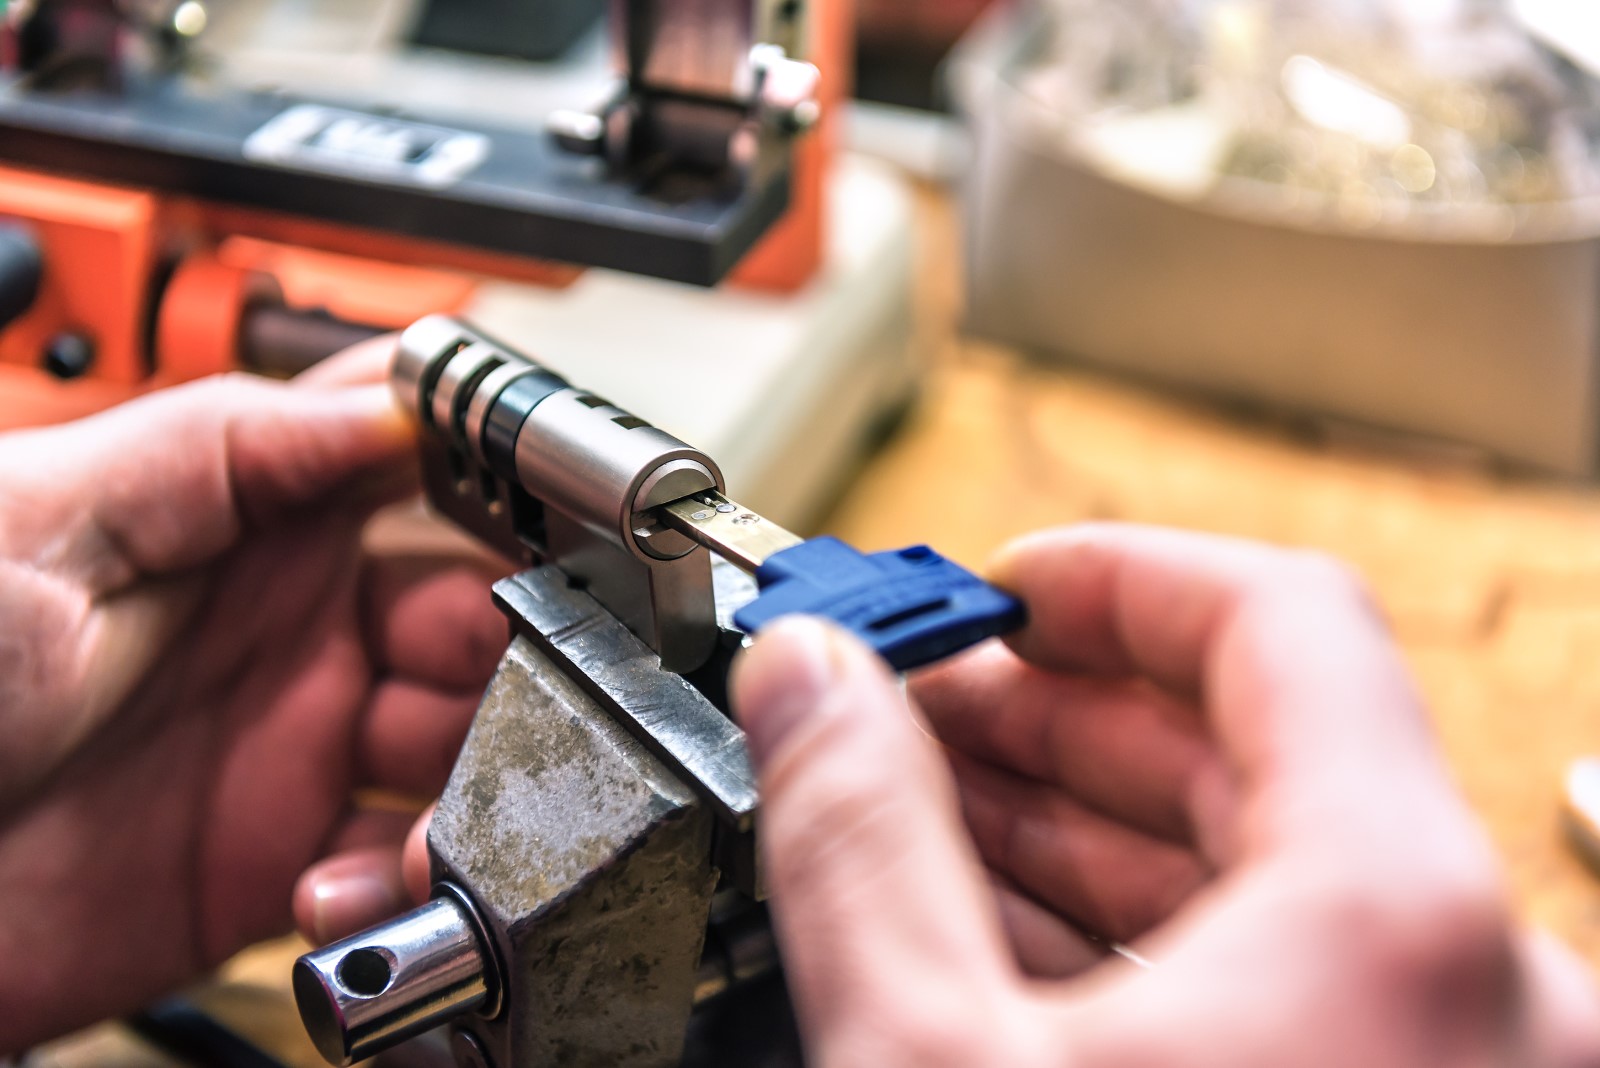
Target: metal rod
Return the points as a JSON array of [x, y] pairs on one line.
[[360, 996]]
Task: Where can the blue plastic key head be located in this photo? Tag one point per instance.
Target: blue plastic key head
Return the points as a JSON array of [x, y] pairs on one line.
[[912, 606]]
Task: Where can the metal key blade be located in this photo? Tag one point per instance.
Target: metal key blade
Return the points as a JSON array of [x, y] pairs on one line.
[[730, 530]]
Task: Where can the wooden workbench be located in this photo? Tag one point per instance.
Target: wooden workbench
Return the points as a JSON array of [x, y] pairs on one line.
[[1492, 583]]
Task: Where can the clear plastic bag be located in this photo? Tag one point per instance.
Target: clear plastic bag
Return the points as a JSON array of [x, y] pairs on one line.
[[1369, 110]]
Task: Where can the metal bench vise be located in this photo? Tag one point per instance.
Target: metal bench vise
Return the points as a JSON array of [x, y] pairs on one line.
[[596, 875]]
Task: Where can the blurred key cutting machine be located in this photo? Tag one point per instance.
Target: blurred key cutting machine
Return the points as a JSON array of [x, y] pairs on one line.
[[131, 173]]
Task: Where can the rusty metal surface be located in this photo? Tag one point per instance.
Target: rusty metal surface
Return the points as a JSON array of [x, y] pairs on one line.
[[590, 864], [618, 670]]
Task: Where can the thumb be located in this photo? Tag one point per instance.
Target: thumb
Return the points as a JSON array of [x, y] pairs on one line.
[[889, 930], [169, 481]]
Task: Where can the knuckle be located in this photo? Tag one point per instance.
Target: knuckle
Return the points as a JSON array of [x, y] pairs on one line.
[[41, 671], [207, 403], [1467, 926], [226, 386], [1304, 576], [220, 395], [1451, 925]]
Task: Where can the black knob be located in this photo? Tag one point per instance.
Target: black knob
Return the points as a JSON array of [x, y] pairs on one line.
[[69, 355]]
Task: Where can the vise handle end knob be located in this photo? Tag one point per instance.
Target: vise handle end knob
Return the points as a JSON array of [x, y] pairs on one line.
[[373, 990]]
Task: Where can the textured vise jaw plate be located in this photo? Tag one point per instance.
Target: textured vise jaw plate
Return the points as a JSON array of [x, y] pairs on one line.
[[666, 713]]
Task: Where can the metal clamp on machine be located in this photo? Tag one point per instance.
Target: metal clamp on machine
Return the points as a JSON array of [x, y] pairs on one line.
[[161, 220], [594, 851]]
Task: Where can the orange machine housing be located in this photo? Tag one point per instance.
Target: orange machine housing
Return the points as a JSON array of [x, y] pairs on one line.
[[108, 251]]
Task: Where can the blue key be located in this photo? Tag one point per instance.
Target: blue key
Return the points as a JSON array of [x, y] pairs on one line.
[[912, 606]]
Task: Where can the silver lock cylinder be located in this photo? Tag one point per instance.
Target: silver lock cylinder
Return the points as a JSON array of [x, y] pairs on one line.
[[424, 348], [594, 461], [485, 397], [515, 454], [455, 385], [579, 454], [467, 389]]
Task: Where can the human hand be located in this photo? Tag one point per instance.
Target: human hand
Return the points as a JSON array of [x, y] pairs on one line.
[[199, 665], [1203, 748]]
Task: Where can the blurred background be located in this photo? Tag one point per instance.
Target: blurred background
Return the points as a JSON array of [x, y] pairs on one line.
[[1321, 272]]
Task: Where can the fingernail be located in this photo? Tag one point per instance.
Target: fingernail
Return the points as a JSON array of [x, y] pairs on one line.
[[371, 410], [1004, 566], [377, 404], [345, 902], [782, 681]]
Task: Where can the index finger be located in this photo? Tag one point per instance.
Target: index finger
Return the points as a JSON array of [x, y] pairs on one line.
[[1300, 683]]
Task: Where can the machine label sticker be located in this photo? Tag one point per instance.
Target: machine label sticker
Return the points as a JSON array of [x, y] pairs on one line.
[[317, 138]]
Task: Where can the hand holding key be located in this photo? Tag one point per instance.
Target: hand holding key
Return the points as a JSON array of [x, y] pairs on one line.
[[1203, 748]]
